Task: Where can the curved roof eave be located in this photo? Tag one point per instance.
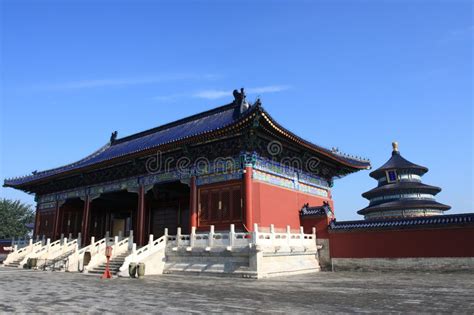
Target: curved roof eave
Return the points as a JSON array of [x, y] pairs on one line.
[[397, 162], [352, 162], [400, 186], [405, 205]]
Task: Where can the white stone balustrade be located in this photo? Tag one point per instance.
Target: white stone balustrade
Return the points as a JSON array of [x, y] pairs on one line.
[[17, 253], [50, 251], [152, 254], [287, 241], [76, 260]]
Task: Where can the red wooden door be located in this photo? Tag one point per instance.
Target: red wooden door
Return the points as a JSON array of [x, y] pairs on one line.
[[220, 205]]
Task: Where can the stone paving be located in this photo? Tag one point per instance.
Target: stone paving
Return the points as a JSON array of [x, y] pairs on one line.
[[28, 291]]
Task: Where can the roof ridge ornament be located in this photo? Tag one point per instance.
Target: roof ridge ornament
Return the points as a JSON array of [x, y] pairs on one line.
[[240, 99], [113, 137], [395, 148]]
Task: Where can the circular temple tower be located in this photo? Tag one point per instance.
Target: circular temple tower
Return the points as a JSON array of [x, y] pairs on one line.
[[400, 192]]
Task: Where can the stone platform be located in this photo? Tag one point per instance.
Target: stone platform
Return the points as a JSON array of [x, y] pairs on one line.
[[25, 291]]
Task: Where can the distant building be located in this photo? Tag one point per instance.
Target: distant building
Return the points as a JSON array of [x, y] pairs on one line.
[[400, 192], [404, 227]]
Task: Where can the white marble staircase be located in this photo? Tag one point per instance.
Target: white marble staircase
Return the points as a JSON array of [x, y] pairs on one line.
[[115, 263], [17, 257], [14, 263]]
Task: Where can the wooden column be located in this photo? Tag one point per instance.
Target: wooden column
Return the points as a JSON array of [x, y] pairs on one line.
[[56, 231], [141, 217], [37, 221], [248, 198], [85, 221], [193, 204]]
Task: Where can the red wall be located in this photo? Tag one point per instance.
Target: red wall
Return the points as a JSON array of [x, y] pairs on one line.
[[5, 243], [320, 222], [280, 206], [426, 242]]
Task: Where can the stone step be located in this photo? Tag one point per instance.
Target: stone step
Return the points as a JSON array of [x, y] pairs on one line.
[[103, 270], [99, 272], [113, 266], [115, 261], [12, 265], [116, 266]]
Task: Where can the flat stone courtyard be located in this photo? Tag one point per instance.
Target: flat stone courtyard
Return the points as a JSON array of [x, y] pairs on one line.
[[25, 291]]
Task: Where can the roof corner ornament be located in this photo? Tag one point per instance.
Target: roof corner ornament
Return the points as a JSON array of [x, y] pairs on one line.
[[113, 137], [240, 98], [258, 103]]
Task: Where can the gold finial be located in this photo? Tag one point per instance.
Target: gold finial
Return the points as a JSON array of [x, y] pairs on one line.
[[395, 146]]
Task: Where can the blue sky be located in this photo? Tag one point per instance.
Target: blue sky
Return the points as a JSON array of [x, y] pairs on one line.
[[354, 75]]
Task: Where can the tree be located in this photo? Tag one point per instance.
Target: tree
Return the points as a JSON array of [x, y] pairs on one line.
[[13, 216]]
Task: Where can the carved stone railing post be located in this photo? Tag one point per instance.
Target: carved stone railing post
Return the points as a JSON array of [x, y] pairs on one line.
[[211, 237], [192, 239], [150, 239], [255, 234], [134, 248], [165, 234], [79, 240], [231, 237], [130, 240], [178, 237], [314, 238], [116, 241]]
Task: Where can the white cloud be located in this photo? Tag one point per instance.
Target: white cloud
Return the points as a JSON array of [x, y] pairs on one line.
[[268, 89], [116, 82], [215, 94], [212, 94]]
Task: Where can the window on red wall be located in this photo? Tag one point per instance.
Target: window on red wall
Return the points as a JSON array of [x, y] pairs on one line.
[[220, 205]]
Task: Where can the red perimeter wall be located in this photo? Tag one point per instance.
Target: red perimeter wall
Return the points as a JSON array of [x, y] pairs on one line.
[[280, 206], [422, 242], [5, 243]]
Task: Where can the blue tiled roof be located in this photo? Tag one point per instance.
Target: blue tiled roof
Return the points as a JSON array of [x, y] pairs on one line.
[[200, 124], [452, 219], [398, 162]]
